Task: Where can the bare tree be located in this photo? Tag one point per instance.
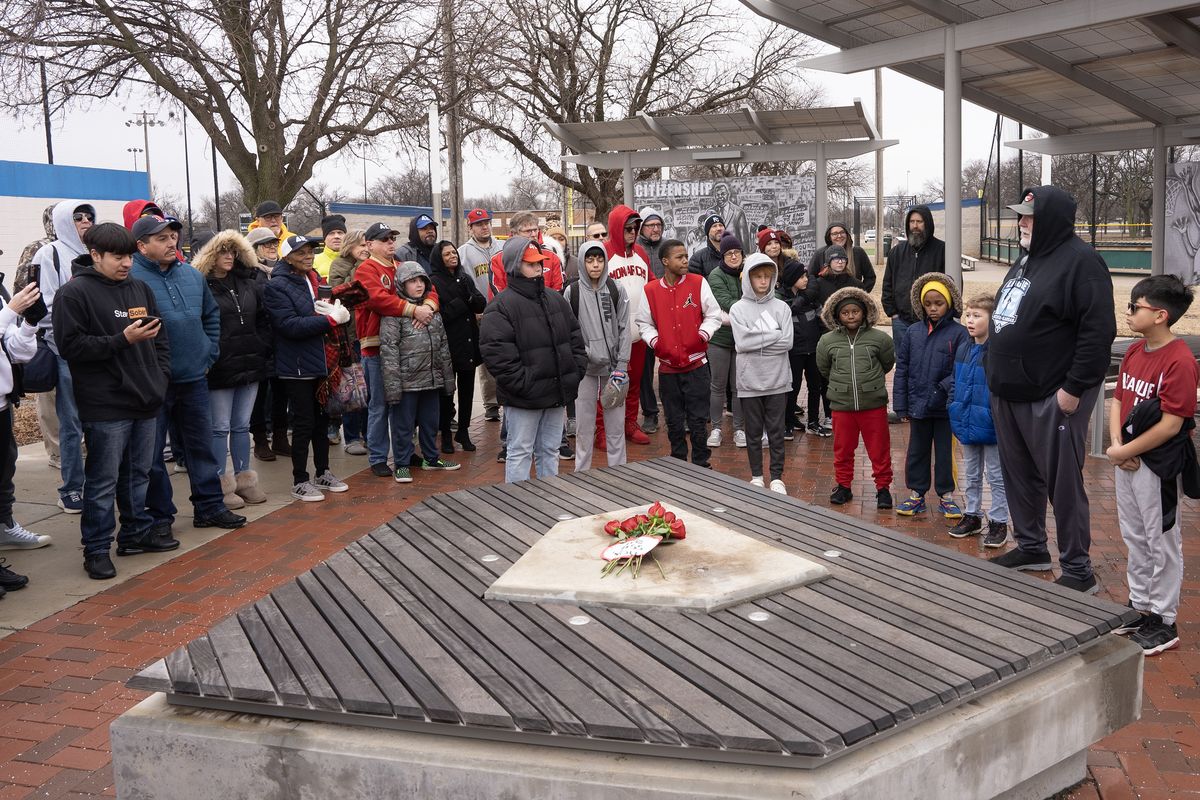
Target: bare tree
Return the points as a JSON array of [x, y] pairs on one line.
[[232, 205], [277, 85], [408, 188], [594, 60]]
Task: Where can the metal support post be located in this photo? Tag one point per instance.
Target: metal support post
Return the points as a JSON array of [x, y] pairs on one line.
[[1158, 204], [822, 191], [627, 179], [952, 169]]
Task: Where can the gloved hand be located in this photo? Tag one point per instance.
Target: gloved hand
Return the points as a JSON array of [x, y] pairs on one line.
[[338, 313], [323, 307]]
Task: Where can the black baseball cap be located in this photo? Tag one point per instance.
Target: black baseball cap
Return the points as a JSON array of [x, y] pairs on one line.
[[267, 207], [380, 230], [148, 226]]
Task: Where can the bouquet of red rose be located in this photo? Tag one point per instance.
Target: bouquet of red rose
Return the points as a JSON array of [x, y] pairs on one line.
[[637, 536]]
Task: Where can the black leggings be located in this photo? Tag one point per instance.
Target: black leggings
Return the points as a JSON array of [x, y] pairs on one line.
[[804, 367], [466, 398], [310, 425], [270, 407]]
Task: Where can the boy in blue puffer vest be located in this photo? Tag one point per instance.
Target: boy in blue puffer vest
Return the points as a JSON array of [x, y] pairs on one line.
[[921, 391], [971, 421]]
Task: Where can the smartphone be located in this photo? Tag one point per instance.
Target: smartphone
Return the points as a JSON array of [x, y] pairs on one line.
[[324, 292], [148, 320]]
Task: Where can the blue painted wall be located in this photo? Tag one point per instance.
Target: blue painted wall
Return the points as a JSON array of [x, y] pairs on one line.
[[22, 179]]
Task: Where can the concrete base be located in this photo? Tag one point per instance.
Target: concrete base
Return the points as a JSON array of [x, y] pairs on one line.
[[1022, 742]]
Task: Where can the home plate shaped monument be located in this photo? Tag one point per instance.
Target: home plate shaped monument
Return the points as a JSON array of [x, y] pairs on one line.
[[471, 649]]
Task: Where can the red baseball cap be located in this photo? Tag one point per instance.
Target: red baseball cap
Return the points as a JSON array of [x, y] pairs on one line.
[[533, 254], [477, 215]]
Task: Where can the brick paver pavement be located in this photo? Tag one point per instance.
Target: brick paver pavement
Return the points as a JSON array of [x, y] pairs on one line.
[[61, 679]]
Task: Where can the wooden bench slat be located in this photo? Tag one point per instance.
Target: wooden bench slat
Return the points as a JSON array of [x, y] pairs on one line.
[[239, 663]]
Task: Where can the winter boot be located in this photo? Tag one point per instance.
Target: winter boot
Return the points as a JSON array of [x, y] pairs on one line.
[[247, 488], [228, 488], [279, 443], [262, 447]]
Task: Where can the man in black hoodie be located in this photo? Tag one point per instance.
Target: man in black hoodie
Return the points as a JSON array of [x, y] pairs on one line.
[[912, 257], [422, 233], [107, 328], [1048, 352]]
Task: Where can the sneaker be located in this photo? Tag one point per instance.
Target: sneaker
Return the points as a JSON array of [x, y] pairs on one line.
[[380, 469], [1155, 636], [335, 435], [739, 438], [1087, 586], [17, 538], [714, 438], [226, 519], [997, 534], [569, 430], [650, 424], [149, 542], [402, 475], [179, 468], [913, 504], [328, 482], [969, 524], [565, 453], [777, 487], [491, 415], [893, 418], [634, 434], [765, 440], [816, 429], [355, 449], [1020, 560], [71, 502], [757, 480], [948, 507], [9, 580], [883, 498], [99, 567], [502, 456], [827, 427], [1130, 627], [54, 462], [449, 466], [841, 495], [307, 493], [789, 434]]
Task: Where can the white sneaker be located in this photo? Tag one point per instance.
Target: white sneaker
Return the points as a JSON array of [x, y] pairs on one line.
[[757, 480], [54, 462], [714, 438], [778, 487], [328, 482], [17, 538], [179, 469], [739, 438], [307, 492], [765, 440]]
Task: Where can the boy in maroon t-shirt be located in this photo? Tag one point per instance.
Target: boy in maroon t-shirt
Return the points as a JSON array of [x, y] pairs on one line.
[[1159, 367]]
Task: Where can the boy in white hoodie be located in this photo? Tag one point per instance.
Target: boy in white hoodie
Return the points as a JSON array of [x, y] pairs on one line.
[[762, 336]]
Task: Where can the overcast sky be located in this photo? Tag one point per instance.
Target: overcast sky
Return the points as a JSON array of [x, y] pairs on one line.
[[100, 138]]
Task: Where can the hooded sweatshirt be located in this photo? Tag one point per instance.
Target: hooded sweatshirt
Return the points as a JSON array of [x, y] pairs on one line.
[[27, 254], [54, 273], [603, 318], [652, 248], [414, 359], [762, 335], [1054, 322], [551, 270], [189, 314], [114, 379], [414, 249], [628, 265], [134, 210], [904, 264], [476, 259]]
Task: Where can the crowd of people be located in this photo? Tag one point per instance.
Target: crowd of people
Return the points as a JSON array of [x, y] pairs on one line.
[[278, 344]]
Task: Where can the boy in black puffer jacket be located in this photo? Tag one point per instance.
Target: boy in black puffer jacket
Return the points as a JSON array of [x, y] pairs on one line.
[[531, 343]]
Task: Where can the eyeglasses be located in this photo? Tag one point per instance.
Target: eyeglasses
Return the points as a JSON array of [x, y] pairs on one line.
[[80, 216], [632, 228], [528, 231], [386, 239], [599, 234], [1133, 308]]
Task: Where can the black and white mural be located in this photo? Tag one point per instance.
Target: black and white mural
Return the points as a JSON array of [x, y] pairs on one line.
[[1182, 239]]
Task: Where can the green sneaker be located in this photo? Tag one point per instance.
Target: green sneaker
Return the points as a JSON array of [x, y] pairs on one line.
[[402, 475], [440, 463]]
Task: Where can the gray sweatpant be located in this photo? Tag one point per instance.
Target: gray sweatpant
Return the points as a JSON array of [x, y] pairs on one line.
[[1148, 509], [722, 362], [764, 414], [1041, 456], [585, 425]]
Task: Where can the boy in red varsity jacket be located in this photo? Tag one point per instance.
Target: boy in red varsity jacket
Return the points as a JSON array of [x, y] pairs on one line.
[[676, 317], [378, 276]]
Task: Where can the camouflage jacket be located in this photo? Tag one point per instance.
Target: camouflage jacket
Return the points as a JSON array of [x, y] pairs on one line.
[[413, 360]]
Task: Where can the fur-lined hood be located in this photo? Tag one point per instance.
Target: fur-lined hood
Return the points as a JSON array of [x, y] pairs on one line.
[[243, 252], [830, 319], [918, 291]]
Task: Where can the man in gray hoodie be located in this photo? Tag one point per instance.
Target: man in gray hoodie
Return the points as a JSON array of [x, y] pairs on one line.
[[52, 268], [602, 308]]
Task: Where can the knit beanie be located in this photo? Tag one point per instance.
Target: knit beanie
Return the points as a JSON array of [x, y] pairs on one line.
[[940, 288], [845, 301], [835, 251], [334, 222], [729, 242], [709, 221], [649, 213], [767, 235]]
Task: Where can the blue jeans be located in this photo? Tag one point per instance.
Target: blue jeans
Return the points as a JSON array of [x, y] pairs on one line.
[[899, 327], [186, 405], [534, 434], [118, 467], [230, 410], [979, 459], [381, 417], [70, 432], [352, 426], [422, 409]]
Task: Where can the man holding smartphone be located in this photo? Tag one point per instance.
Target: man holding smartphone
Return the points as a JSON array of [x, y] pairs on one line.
[[107, 330]]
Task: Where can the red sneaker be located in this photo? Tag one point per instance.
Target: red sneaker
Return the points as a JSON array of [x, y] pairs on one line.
[[635, 435]]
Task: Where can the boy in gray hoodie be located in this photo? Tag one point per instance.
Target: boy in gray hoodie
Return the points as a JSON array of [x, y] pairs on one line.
[[602, 308], [762, 336]]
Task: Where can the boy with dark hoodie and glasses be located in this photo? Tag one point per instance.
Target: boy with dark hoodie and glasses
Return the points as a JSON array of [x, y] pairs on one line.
[[762, 334]]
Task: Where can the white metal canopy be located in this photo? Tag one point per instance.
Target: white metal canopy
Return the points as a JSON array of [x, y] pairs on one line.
[[747, 136], [1126, 72]]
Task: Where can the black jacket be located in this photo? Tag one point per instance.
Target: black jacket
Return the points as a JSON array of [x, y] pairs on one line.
[[904, 265], [114, 380], [1054, 322], [821, 289], [298, 330], [704, 260], [414, 249], [530, 341], [460, 301], [652, 248], [1174, 457], [245, 328], [863, 268], [806, 313]]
